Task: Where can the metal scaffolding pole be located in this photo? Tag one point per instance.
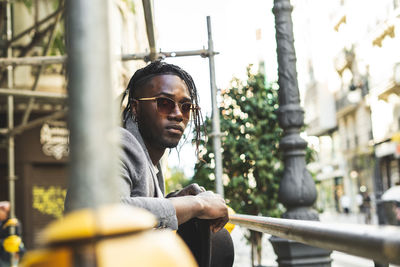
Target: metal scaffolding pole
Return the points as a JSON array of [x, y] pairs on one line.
[[19, 61], [202, 52], [48, 60], [215, 115], [140, 56], [148, 16], [165, 54], [10, 122], [35, 94], [11, 144], [93, 114]]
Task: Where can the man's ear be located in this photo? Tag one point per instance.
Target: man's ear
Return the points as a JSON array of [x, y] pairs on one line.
[[135, 107]]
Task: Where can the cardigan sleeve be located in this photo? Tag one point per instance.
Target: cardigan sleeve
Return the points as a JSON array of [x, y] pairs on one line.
[[133, 183]]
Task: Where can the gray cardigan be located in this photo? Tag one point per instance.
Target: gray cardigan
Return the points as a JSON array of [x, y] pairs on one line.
[[139, 184]]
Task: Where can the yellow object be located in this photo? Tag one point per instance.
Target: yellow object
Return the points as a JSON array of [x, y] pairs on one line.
[[60, 257], [114, 235], [106, 220], [11, 243], [229, 226], [396, 137], [161, 248], [10, 222]]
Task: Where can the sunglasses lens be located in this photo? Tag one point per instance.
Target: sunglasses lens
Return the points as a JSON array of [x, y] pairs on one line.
[[186, 108], [165, 105]]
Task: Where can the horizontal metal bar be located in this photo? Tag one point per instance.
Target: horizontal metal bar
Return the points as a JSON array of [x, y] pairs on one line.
[[34, 123], [42, 60], [380, 243], [29, 93], [201, 52], [165, 54], [139, 56], [47, 60]]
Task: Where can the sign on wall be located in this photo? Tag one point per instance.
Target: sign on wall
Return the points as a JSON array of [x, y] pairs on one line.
[[49, 200], [54, 137]]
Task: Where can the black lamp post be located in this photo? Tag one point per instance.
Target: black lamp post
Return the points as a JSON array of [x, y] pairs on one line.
[[297, 190]]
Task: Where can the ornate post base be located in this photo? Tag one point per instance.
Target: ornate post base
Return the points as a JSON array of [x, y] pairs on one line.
[[292, 253]]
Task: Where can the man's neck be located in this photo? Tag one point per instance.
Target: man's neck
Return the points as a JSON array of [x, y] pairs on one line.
[[154, 153]]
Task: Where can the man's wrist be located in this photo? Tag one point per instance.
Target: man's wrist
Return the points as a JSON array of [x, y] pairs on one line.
[[199, 206]]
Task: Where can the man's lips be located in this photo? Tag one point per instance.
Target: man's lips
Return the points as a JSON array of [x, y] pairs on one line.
[[175, 129]]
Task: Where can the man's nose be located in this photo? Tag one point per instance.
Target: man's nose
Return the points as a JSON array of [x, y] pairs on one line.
[[176, 113]]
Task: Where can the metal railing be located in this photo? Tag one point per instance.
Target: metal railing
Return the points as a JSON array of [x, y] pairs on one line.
[[379, 243]]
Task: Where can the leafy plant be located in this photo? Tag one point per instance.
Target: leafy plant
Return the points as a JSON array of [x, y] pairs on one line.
[[176, 181], [27, 3], [252, 163], [58, 47], [131, 5]]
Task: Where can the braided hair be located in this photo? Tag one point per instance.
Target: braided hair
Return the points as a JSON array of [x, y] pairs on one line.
[[142, 76]]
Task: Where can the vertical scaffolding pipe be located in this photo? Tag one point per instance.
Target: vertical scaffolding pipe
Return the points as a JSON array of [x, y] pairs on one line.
[[10, 119], [215, 114], [92, 110], [11, 143], [148, 17]]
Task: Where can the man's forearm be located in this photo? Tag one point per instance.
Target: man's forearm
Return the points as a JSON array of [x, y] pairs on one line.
[[186, 207], [205, 205]]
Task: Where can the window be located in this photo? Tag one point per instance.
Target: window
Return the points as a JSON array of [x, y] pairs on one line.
[[396, 4]]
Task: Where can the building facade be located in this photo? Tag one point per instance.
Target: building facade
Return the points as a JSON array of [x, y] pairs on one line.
[[350, 59]]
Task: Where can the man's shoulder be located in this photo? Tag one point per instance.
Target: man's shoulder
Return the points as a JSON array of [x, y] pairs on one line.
[[125, 134], [130, 143], [127, 138]]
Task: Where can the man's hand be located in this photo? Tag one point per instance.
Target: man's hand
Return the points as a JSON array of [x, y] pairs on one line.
[[4, 210], [205, 205], [190, 190], [214, 209]]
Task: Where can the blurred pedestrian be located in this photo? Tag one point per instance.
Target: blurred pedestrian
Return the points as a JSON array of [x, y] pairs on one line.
[[4, 210], [6, 238], [345, 203], [366, 207], [359, 201]]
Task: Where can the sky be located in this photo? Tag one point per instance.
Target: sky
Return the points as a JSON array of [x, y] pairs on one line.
[[182, 26]]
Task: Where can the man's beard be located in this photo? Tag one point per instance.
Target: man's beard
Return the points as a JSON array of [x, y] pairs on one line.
[[169, 143], [160, 139]]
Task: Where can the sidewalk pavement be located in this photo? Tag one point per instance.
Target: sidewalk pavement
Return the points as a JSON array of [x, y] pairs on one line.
[[358, 218], [339, 259]]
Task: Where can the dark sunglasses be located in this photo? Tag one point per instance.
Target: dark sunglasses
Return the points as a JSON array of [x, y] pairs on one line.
[[166, 105]]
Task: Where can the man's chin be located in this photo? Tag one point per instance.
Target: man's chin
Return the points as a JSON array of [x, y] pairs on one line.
[[171, 141], [170, 144]]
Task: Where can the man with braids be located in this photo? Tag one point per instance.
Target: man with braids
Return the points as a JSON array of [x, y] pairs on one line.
[[161, 100]]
